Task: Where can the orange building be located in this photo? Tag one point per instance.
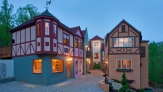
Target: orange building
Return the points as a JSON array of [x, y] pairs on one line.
[[127, 52]]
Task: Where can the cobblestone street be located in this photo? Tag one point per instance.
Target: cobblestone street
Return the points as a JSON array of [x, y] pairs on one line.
[[85, 83]]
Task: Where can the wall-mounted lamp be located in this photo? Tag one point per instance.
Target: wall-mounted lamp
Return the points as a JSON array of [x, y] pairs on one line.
[[69, 58], [106, 62]]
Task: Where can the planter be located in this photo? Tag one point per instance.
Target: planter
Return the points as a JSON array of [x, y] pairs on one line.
[[7, 80], [124, 70]]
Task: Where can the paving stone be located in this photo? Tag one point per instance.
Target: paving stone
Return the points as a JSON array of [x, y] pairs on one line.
[[85, 83]]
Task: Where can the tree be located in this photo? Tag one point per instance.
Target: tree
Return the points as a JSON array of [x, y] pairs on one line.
[[6, 23], [124, 83], [155, 62], [26, 13]]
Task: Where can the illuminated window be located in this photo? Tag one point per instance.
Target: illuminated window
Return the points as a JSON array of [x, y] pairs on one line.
[[46, 28], [96, 55], [38, 29], [76, 42], [54, 30], [118, 64], [57, 66], [37, 66], [123, 42], [66, 39], [124, 64]]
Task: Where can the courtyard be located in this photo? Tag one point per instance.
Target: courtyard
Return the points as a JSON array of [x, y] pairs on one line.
[[85, 83]]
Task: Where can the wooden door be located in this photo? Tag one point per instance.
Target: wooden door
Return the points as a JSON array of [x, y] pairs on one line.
[[68, 69]]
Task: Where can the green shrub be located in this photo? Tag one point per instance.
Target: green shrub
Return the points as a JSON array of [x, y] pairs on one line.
[[110, 87], [128, 90], [124, 83], [140, 90], [96, 66]]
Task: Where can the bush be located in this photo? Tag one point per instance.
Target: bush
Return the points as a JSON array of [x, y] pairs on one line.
[[140, 90], [110, 87], [96, 66], [124, 83]]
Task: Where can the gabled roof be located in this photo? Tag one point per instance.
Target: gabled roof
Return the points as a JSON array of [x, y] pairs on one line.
[[75, 29], [123, 21], [96, 38]]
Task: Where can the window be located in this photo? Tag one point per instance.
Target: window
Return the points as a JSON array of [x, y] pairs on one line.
[[76, 43], [123, 42], [37, 66], [124, 64], [79, 44], [123, 28], [46, 28], [57, 66], [95, 43], [96, 55], [66, 50], [54, 30], [76, 67], [66, 39], [38, 29]]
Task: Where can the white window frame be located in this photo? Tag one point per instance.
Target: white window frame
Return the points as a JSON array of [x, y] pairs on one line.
[[95, 43], [121, 63], [123, 42]]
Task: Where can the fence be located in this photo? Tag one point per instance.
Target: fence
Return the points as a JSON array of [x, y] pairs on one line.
[[6, 69]]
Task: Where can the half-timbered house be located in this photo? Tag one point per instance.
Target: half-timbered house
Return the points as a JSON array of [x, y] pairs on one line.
[[127, 52], [44, 50]]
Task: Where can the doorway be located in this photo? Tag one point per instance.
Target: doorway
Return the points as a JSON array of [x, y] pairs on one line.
[[68, 65]]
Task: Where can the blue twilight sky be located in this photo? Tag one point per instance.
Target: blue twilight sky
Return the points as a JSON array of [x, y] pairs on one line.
[[101, 16]]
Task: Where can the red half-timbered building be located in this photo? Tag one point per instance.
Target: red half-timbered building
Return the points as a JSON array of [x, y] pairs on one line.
[[44, 50]]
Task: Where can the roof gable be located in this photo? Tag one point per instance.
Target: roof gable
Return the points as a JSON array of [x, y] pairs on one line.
[[96, 38], [124, 21], [77, 31]]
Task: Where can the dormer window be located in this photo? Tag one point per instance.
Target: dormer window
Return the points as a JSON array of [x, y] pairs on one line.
[[54, 30], [46, 28], [123, 28], [38, 29]]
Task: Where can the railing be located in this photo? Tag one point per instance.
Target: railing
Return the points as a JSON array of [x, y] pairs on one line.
[[5, 52]]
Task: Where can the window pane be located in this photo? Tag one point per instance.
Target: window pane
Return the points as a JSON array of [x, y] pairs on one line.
[[57, 65], [115, 40], [131, 41], [64, 40], [120, 42], [37, 66], [129, 64], [54, 30], [64, 35], [125, 42], [46, 28], [38, 29], [123, 63], [67, 37], [118, 64]]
